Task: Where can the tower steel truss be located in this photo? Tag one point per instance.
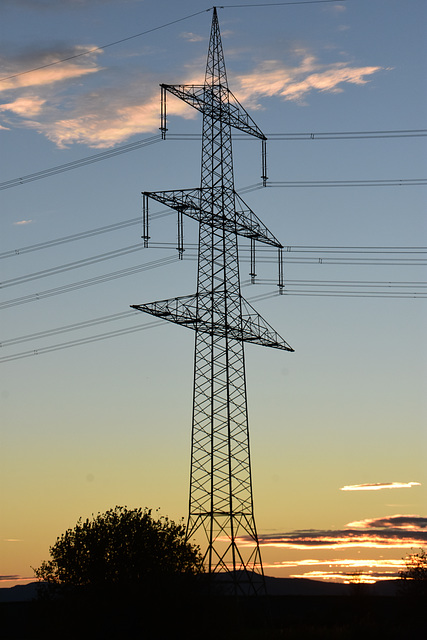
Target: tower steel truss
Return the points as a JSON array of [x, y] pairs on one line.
[[221, 502]]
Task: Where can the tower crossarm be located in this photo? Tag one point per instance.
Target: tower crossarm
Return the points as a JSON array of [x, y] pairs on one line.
[[245, 222], [249, 225], [184, 311], [227, 110], [185, 200], [257, 330]]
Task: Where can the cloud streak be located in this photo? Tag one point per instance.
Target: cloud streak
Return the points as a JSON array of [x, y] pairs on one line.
[[397, 531], [342, 570], [378, 486]]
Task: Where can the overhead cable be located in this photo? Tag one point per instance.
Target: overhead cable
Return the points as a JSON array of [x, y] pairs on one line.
[[139, 144], [83, 234], [82, 162], [104, 46], [147, 31], [88, 283]]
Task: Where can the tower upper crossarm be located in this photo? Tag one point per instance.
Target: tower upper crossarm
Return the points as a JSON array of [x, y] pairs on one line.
[[228, 110]]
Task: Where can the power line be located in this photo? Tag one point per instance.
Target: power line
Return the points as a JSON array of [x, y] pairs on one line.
[[126, 331], [74, 286], [105, 46], [270, 251], [87, 340], [348, 283], [153, 29], [334, 255], [80, 341], [398, 182], [139, 144], [80, 236], [325, 135], [264, 256], [84, 262], [66, 328], [71, 238], [275, 4], [369, 284], [82, 162]]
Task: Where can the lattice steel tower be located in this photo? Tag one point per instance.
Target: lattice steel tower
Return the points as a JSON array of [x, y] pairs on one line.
[[221, 504]]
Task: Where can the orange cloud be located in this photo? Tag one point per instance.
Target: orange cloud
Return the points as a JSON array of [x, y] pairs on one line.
[[113, 113], [49, 75], [109, 126], [27, 106]]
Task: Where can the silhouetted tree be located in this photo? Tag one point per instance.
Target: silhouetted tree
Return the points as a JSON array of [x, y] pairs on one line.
[[414, 576], [120, 547]]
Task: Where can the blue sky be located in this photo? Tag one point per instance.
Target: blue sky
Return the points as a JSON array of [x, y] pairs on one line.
[[108, 422]]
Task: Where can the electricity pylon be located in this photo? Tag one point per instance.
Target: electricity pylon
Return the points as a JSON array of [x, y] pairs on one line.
[[221, 503]]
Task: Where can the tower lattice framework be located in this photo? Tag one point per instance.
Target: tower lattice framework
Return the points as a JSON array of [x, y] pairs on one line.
[[221, 501]]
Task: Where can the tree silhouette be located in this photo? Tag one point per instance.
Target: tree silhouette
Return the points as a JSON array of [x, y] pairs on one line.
[[121, 547], [414, 576]]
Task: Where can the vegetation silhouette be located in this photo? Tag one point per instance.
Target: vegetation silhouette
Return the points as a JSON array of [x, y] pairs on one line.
[[414, 576], [121, 549]]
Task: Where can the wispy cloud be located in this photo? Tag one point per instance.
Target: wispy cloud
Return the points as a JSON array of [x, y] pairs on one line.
[[337, 8], [113, 106], [274, 78], [16, 75], [49, 102], [22, 222], [109, 123], [377, 486], [192, 37], [26, 106], [12, 540], [397, 531]]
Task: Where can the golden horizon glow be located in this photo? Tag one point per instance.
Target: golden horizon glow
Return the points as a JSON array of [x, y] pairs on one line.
[[356, 578]]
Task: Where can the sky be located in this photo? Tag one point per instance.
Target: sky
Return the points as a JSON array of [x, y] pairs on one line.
[[96, 399]]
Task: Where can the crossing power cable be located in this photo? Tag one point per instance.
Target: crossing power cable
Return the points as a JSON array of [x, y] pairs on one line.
[[81, 341], [139, 144], [75, 326], [82, 162], [162, 26], [74, 286], [414, 286], [397, 182], [83, 234], [404, 258], [156, 323], [320, 135], [104, 46]]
